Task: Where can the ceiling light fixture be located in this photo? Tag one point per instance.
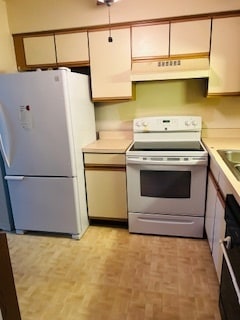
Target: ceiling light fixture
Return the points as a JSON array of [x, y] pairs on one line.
[[107, 2]]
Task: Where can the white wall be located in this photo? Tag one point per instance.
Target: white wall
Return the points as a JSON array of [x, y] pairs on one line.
[[7, 57], [37, 15]]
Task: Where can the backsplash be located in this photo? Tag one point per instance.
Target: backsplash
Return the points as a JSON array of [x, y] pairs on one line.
[[173, 97]]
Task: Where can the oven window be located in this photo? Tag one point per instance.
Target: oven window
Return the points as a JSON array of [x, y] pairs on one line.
[[165, 184]]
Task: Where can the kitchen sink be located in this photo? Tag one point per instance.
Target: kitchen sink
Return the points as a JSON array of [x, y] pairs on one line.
[[232, 160]]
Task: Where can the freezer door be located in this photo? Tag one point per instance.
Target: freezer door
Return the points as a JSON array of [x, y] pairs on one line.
[[45, 204], [38, 137]]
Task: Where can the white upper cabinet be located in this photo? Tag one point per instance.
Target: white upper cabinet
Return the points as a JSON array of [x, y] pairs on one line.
[[186, 38], [39, 50], [190, 37], [150, 41], [110, 64], [72, 47], [225, 57], [56, 49]]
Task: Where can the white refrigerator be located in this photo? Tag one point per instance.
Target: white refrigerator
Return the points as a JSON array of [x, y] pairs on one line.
[[46, 117]]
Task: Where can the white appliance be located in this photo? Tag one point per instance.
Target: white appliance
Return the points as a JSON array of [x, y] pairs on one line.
[[45, 119], [166, 177]]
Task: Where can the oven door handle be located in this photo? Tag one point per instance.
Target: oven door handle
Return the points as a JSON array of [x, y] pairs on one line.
[[166, 162], [230, 269]]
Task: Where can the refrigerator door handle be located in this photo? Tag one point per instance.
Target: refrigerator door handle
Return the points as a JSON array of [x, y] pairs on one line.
[[15, 178], [4, 137], [4, 153]]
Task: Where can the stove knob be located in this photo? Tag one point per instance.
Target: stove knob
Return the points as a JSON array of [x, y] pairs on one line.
[[145, 124], [187, 123], [194, 123], [138, 124]]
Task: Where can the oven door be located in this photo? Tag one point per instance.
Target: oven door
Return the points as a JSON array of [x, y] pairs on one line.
[[166, 189]]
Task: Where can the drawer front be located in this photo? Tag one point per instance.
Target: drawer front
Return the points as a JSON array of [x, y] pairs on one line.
[[104, 159]]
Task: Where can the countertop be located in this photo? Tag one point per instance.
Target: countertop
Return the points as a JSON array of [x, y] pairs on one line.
[[214, 144], [108, 146]]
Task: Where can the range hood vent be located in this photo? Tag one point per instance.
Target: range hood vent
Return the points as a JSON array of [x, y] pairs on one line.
[[170, 69]]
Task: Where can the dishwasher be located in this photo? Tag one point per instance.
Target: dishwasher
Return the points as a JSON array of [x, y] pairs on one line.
[[229, 298]]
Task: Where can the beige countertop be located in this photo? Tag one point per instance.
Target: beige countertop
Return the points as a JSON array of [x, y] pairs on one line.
[[108, 146], [214, 144]]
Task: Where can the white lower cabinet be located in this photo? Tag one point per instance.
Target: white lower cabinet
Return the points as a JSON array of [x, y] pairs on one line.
[[106, 193], [218, 234], [215, 224], [210, 210], [106, 186]]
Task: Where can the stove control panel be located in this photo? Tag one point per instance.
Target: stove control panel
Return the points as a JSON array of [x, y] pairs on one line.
[[168, 123]]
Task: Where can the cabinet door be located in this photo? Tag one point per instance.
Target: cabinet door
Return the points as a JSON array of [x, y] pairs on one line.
[[150, 41], [190, 37], [72, 47], [110, 64], [106, 193], [219, 234], [40, 50], [210, 210], [225, 57]]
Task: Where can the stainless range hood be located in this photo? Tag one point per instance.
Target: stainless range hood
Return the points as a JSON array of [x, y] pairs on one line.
[[170, 69]]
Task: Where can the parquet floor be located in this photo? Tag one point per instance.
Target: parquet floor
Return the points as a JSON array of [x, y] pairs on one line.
[[113, 275]]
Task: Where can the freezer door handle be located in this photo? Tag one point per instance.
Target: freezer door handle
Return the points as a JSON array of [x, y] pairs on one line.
[[4, 137], [15, 178]]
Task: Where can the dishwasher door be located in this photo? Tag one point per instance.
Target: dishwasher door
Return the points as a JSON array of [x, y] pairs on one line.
[[229, 299]]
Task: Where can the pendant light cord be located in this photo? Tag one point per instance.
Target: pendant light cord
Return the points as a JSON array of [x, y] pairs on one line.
[[110, 39]]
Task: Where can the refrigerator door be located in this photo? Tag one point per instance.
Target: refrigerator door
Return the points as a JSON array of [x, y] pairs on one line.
[[37, 136], [45, 204]]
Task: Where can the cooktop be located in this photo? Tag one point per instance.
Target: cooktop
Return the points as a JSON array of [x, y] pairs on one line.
[[167, 146]]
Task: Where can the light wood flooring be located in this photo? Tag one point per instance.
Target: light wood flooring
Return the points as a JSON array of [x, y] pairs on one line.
[[113, 275]]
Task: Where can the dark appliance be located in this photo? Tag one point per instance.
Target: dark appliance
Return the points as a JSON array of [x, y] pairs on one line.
[[229, 299]]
